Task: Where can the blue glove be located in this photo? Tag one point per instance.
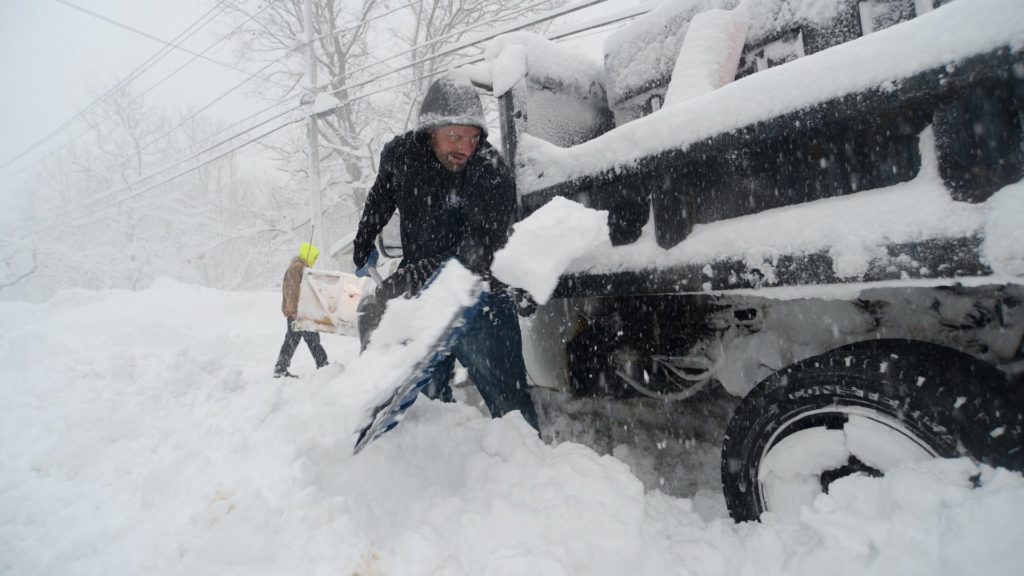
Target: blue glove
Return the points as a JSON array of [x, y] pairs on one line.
[[371, 262]]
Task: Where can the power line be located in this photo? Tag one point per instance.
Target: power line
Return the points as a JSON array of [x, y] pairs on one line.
[[140, 32], [148, 63], [599, 23], [205, 107], [347, 87], [348, 102], [488, 36], [168, 132], [219, 156], [209, 104], [155, 85], [365, 21], [179, 174], [191, 156], [420, 46]]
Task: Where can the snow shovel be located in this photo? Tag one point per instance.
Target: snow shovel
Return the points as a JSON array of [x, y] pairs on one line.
[[387, 414]]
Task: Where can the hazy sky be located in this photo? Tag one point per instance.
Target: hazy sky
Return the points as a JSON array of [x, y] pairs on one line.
[[56, 60]]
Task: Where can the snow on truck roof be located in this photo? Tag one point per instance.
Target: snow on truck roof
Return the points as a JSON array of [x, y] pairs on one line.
[[647, 48], [941, 37]]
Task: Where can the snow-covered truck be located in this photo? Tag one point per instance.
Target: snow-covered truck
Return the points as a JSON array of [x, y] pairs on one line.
[[814, 205]]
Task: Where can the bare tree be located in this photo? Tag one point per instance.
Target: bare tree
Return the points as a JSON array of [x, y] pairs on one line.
[[362, 47], [102, 223], [439, 24], [17, 264]]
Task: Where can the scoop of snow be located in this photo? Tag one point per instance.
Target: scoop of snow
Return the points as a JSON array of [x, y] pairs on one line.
[[543, 245]]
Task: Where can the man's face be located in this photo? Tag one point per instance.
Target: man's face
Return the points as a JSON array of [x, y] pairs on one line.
[[454, 145]]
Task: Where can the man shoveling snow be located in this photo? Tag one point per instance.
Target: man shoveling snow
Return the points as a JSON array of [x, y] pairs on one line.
[[457, 200]]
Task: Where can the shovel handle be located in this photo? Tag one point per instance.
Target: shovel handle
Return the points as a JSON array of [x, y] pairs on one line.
[[375, 275]]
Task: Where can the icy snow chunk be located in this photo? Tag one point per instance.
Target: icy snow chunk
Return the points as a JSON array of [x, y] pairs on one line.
[[507, 69], [543, 245], [710, 54], [510, 56]]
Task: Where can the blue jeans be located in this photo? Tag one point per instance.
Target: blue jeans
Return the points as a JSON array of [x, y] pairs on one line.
[[491, 349]]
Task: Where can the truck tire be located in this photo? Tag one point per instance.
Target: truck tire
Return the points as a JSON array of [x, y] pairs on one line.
[[866, 408]]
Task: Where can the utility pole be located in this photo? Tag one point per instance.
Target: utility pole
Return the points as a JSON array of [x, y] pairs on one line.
[[315, 200]]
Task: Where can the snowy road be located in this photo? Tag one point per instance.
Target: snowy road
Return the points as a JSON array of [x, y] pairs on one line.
[[141, 433]]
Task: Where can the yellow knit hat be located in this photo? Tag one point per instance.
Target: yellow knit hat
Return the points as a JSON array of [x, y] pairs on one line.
[[308, 253]]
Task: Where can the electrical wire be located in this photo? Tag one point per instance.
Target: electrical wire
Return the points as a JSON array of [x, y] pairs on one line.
[[166, 133], [180, 174], [365, 21], [141, 33], [148, 63], [172, 166], [194, 114], [348, 102], [426, 44], [154, 86], [490, 35]]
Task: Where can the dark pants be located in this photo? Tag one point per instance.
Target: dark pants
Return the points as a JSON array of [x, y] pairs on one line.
[[291, 341], [491, 349]]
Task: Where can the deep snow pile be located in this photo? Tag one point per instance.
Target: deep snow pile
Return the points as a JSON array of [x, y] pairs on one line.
[[141, 433]]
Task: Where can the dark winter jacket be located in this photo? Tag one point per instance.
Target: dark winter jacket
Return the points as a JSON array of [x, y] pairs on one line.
[[463, 214], [290, 287]]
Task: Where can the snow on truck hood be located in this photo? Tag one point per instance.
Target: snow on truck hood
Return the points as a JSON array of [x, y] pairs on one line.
[[941, 37]]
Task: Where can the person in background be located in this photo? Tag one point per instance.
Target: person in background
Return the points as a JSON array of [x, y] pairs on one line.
[[457, 200], [289, 307]]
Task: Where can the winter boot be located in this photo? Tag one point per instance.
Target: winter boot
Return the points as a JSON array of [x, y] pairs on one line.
[[283, 372]]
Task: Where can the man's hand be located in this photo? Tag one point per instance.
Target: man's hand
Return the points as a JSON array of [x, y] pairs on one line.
[[392, 287], [409, 278], [371, 262], [525, 304]]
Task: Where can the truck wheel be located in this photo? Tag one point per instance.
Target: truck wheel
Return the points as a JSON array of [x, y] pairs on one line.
[[865, 407]]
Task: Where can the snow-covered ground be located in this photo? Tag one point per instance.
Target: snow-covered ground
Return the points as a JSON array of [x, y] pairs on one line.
[[142, 433]]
